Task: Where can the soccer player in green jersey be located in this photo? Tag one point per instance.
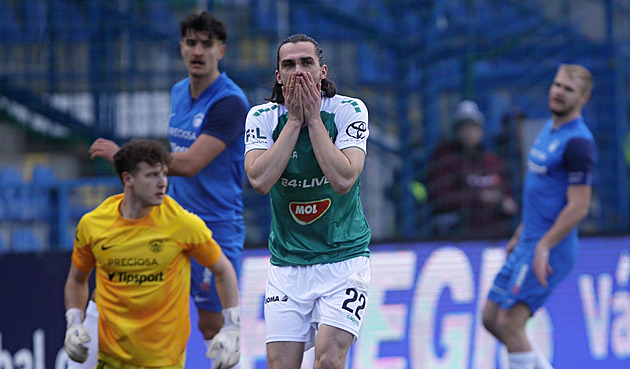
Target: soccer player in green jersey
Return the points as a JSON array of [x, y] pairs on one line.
[[306, 147]]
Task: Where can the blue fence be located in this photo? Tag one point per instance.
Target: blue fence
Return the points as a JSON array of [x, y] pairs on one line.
[[42, 214]]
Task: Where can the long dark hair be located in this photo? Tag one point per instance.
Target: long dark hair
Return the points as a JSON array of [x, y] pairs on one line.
[[328, 87]]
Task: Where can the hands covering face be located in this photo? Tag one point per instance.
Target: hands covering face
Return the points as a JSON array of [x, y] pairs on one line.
[[303, 97]]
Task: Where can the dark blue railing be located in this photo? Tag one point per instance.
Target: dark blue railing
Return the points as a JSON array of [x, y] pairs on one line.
[[43, 216]]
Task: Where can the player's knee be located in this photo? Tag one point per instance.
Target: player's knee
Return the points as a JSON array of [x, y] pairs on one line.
[[504, 326], [277, 360], [273, 360], [489, 321], [329, 360], [489, 324]]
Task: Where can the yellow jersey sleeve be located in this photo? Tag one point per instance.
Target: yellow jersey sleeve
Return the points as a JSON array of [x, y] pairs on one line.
[[91, 227], [82, 256], [198, 241]]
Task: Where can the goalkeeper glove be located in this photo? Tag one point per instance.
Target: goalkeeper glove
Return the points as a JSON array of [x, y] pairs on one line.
[[225, 347], [76, 336]]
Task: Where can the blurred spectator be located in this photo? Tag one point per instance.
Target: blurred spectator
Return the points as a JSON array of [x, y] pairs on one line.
[[468, 186]]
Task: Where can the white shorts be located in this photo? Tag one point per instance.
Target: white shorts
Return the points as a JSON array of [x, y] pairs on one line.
[[301, 298]]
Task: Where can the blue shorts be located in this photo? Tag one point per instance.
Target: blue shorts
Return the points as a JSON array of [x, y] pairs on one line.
[[517, 283], [231, 237]]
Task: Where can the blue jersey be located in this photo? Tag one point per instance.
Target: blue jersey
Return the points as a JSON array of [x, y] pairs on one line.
[[214, 193], [558, 158]]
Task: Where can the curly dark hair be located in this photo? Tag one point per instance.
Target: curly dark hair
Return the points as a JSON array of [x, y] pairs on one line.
[[328, 87], [140, 150], [204, 22]]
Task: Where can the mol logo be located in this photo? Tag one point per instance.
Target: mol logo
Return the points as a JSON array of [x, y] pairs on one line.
[[307, 212]]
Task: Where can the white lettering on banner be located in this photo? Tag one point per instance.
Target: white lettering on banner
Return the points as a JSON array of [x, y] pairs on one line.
[[485, 352], [252, 295], [385, 322], [598, 306], [597, 317], [446, 268], [620, 329], [24, 358], [61, 362], [424, 311]]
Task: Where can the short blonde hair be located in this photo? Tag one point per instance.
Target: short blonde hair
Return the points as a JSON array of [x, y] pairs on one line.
[[580, 72]]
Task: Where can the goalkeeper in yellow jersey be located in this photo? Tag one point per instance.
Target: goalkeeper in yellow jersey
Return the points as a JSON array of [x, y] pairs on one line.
[[141, 242]]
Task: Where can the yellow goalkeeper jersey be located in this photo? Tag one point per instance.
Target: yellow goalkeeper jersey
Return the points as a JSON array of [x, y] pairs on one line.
[[143, 277]]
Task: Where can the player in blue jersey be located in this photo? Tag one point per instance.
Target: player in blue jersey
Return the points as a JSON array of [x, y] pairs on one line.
[[206, 134], [556, 197]]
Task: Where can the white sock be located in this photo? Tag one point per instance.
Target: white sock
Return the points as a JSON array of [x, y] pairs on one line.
[[91, 323], [541, 360], [522, 360]]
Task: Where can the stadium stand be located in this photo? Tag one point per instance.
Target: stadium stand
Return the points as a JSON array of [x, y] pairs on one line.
[[4, 248], [12, 193], [44, 174], [410, 62], [23, 239], [43, 181], [9, 27]]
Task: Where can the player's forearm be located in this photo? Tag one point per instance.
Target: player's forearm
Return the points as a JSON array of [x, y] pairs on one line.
[[569, 218], [182, 166], [201, 153], [76, 294], [338, 168], [227, 288], [265, 169]]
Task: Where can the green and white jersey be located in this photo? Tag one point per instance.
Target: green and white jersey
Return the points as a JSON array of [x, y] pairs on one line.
[[310, 223]]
